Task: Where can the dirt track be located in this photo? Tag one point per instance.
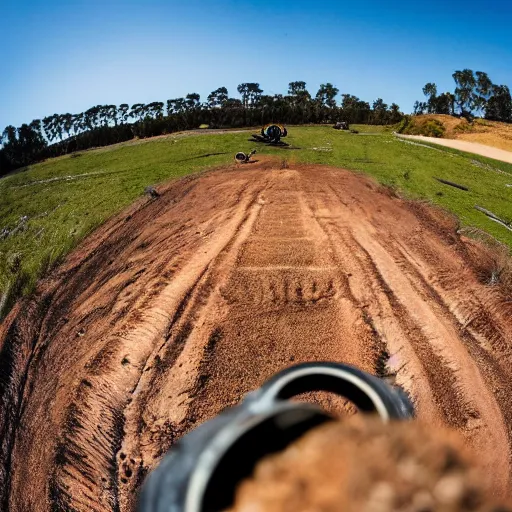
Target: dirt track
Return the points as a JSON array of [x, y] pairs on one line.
[[177, 307], [467, 146]]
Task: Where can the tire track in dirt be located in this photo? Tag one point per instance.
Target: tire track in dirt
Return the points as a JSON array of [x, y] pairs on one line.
[[404, 336], [486, 349], [183, 349], [177, 307], [470, 403], [465, 384], [105, 364], [463, 408], [286, 287], [154, 329]]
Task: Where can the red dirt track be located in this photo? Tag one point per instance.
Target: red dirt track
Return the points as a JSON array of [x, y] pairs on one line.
[[180, 305]]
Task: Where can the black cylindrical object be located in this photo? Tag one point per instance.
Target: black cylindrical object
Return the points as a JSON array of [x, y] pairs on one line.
[[200, 473]]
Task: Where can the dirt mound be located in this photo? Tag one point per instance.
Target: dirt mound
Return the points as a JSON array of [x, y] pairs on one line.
[[490, 133], [453, 125], [357, 465], [433, 125], [176, 308]]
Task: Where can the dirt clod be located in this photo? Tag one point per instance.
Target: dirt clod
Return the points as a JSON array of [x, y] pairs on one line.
[[364, 465]]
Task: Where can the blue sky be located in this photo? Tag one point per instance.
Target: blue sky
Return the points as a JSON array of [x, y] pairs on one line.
[[67, 55]]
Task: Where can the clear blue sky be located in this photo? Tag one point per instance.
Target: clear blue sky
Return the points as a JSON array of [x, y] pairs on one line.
[[67, 55]]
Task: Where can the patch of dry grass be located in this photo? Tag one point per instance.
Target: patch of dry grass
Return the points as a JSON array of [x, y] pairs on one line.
[[497, 137]]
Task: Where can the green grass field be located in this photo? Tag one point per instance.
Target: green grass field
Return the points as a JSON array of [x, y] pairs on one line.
[[46, 210]]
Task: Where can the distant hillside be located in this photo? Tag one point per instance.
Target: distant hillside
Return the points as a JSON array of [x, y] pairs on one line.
[[492, 133]]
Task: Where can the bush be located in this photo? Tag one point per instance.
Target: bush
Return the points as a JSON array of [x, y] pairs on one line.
[[434, 128], [427, 127], [482, 122], [464, 127], [403, 125]]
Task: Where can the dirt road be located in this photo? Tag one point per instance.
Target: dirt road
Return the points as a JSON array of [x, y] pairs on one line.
[[467, 146], [177, 307]]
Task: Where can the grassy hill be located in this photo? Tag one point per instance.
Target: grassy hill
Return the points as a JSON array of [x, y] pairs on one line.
[[46, 210]]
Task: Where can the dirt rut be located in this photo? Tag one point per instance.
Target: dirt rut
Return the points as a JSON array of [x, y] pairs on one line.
[[176, 308]]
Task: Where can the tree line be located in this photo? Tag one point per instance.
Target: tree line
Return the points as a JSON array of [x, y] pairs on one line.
[[102, 125], [474, 95]]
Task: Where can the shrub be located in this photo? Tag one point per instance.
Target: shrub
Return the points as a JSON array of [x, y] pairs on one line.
[[464, 127], [403, 125], [434, 128], [427, 127]]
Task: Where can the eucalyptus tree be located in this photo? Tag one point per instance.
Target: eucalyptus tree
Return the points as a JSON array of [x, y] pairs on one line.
[[217, 98], [250, 92], [137, 111], [326, 95], [123, 112]]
